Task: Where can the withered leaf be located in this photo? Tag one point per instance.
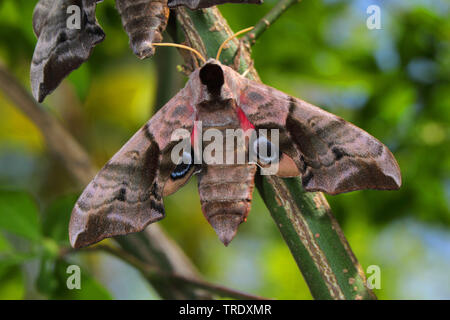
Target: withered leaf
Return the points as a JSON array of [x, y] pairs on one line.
[[144, 21], [59, 49], [199, 4]]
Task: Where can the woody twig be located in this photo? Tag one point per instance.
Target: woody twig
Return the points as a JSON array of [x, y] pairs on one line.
[[155, 274], [263, 24]]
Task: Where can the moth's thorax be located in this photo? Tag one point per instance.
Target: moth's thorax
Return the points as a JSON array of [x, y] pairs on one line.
[[218, 113]]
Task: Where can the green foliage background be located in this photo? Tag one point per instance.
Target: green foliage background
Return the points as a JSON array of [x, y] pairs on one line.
[[393, 82]]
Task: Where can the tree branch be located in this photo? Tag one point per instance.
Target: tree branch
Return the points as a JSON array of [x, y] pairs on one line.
[[60, 143], [315, 239], [153, 274], [269, 19]]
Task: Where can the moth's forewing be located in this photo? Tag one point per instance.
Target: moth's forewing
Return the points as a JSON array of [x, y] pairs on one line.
[[126, 195], [338, 156]]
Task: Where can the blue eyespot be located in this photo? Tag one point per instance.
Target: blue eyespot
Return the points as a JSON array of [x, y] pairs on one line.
[[267, 152], [182, 168]]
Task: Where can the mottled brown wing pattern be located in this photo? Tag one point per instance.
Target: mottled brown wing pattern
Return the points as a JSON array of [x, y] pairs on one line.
[[332, 154], [199, 4], [126, 195], [60, 50], [123, 197], [338, 156], [144, 21]]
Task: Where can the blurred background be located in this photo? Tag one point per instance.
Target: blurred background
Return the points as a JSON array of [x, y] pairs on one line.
[[392, 82]]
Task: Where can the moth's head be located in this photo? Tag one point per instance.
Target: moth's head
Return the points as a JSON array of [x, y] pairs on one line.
[[212, 77], [214, 81]]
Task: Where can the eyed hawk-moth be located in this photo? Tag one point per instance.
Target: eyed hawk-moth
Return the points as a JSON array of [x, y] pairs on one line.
[[330, 154]]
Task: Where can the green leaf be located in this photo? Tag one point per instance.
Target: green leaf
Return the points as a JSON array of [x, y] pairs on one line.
[[19, 215], [14, 258], [47, 281], [10, 259], [91, 289], [4, 244], [56, 219], [12, 284]]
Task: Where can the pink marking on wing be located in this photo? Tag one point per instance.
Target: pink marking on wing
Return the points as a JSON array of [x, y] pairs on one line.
[[194, 134], [245, 123]]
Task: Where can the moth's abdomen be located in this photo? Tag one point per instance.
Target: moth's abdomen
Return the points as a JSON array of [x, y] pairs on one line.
[[144, 21], [226, 194], [225, 187]]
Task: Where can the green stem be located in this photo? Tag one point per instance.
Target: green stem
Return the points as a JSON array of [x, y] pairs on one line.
[[304, 219], [269, 19], [315, 239]]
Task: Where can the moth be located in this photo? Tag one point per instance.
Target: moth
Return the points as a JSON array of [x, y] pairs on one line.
[[330, 155], [199, 4]]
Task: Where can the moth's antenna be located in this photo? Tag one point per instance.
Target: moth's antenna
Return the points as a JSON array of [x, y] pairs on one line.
[[231, 38], [182, 47]]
